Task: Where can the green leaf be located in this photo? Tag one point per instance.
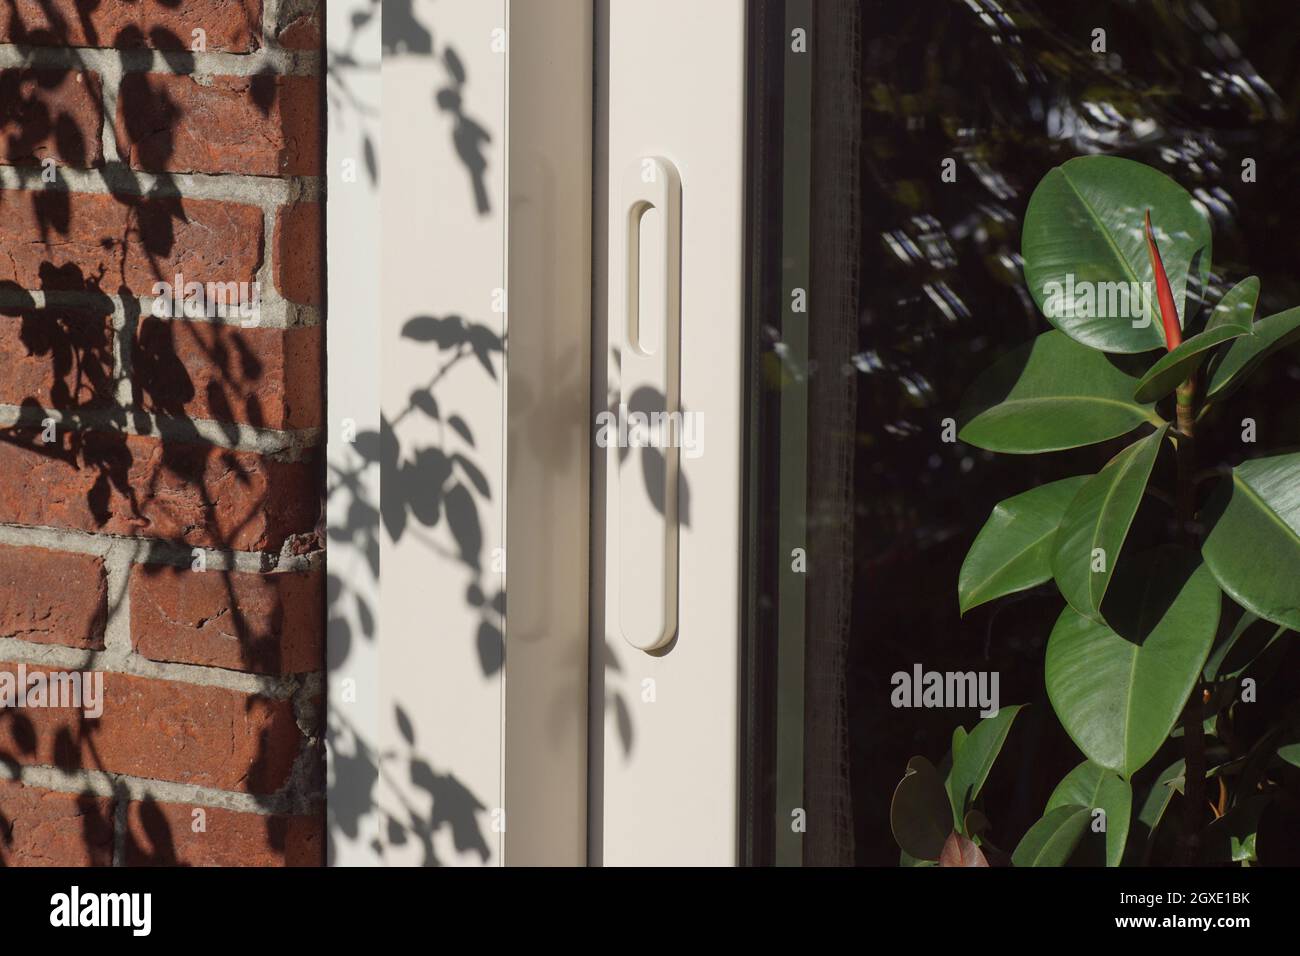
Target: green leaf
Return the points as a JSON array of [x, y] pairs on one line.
[[972, 763], [1052, 840], [1050, 394], [1235, 364], [1177, 366], [1097, 788], [1237, 307], [1091, 536], [1231, 319], [958, 740], [1232, 656], [1014, 548], [975, 824], [1290, 753], [1253, 549], [1229, 768], [1084, 231], [1222, 648], [1233, 835], [920, 815], [1154, 804], [1118, 692]]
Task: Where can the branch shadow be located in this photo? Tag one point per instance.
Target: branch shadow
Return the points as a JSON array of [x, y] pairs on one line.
[[73, 415], [425, 490]]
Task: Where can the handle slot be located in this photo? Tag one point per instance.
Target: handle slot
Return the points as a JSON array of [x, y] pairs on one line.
[[649, 342]]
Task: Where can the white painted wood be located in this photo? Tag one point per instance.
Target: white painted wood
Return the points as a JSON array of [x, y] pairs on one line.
[[353, 230], [443, 255], [664, 734], [548, 362]]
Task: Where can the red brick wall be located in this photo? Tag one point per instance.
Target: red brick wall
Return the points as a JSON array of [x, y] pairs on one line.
[[160, 476]]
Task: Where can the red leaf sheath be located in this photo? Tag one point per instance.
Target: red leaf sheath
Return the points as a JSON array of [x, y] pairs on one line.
[[960, 851], [1168, 312]]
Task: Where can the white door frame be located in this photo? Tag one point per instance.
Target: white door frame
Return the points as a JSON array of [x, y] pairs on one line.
[[579, 747], [548, 422], [665, 745]]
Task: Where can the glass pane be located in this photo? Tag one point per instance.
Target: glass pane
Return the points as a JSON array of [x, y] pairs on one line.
[[895, 148]]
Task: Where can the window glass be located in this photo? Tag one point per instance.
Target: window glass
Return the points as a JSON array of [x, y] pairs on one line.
[[894, 154]]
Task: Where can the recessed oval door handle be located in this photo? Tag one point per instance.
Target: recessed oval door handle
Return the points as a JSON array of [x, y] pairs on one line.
[[649, 343]]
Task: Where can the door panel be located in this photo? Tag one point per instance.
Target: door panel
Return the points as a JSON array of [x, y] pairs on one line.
[[664, 721]]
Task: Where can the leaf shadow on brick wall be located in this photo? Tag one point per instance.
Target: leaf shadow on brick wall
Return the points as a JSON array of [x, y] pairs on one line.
[[65, 322]]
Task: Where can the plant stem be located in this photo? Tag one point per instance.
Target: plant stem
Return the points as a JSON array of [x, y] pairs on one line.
[[1186, 399], [1193, 731]]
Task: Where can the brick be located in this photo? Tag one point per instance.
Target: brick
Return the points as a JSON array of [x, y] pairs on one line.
[[47, 828], [269, 378], [107, 482], [56, 357], [162, 730], [48, 114], [53, 597], [302, 32], [263, 125], [297, 241], [81, 234], [263, 623], [162, 834], [230, 25]]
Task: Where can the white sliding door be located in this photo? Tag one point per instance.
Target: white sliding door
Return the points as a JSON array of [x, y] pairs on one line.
[[668, 307]]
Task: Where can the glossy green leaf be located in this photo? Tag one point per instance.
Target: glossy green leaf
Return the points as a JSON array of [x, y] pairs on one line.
[[1233, 366], [972, 763], [1049, 394], [1052, 840], [1154, 804], [1091, 536], [920, 815], [1253, 549], [1013, 550], [1097, 788], [1232, 318], [1223, 647], [1290, 752], [1249, 638], [1085, 250], [1118, 692], [1237, 307]]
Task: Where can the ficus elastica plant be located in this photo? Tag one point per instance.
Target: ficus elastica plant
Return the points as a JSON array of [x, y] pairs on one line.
[[1155, 644]]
